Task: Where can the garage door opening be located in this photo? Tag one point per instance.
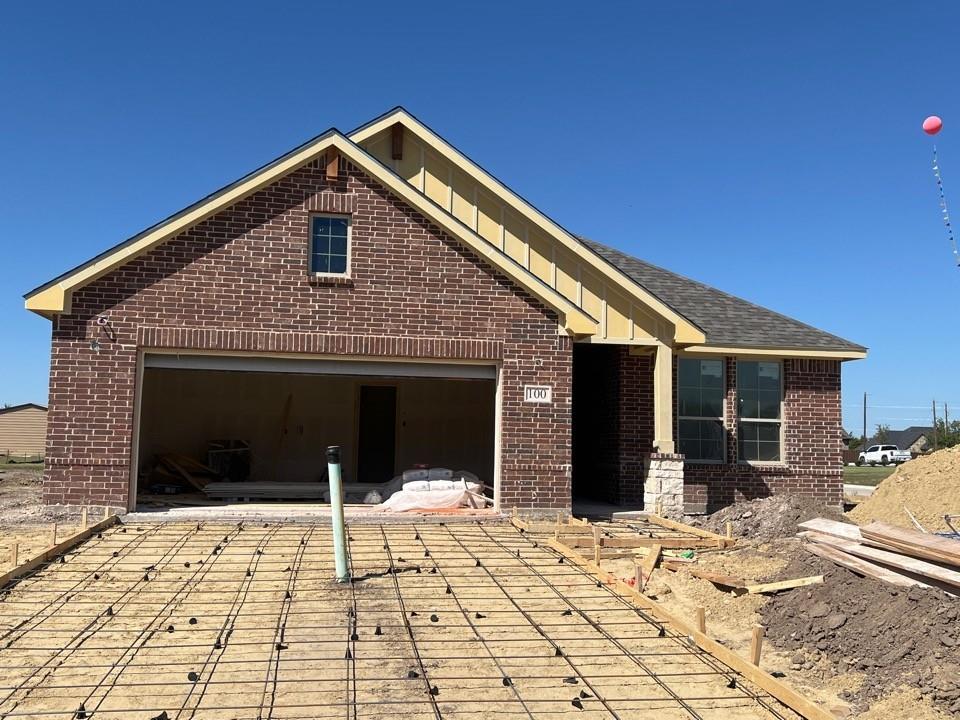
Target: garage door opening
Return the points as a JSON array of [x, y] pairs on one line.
[[227, 428]]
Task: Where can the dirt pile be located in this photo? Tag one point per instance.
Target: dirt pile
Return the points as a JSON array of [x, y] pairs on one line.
[[929, 486], [849, 624], [767, 518]]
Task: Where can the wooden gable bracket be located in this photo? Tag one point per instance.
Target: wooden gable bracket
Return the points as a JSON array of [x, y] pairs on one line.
[[333, 165], [396, 140]]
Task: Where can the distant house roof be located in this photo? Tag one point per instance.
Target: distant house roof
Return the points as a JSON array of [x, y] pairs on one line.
[[903, 438], [724, 318], [14, 408]]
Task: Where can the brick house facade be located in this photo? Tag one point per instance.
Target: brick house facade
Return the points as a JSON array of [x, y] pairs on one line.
[[238, 282], [431, 279]]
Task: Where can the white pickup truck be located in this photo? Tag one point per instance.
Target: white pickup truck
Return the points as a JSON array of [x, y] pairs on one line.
[[883, 454]]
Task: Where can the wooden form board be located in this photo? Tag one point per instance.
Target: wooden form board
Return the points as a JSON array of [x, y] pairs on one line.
[[720, 540], [56, 550], [664, 543], [788, 696], [773, 587]]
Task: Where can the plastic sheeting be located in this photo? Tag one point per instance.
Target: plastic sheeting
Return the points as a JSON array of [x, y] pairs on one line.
[[406, 500]]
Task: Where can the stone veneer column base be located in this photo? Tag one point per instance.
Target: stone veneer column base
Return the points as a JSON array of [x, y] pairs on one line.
[[663, 484]]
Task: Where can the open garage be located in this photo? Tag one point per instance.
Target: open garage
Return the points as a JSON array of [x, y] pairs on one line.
[[265, 423]]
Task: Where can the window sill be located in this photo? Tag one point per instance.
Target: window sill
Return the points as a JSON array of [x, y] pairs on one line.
[[321, 280], [761, 465]]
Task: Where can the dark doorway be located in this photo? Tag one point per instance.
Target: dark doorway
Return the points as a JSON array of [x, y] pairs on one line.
[[377, 433]]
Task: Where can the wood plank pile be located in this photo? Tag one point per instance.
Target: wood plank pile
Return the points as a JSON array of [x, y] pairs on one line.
[[902, 557]]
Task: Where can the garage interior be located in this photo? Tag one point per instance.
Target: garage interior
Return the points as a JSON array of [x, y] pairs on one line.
[[252, 421]]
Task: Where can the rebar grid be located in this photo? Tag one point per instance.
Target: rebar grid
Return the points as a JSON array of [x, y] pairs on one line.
[[218, 621]]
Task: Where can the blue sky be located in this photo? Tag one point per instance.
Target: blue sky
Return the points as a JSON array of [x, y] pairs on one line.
[[772, 151]]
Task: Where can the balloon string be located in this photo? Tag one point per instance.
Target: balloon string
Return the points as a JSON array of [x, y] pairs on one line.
[[943, 206]]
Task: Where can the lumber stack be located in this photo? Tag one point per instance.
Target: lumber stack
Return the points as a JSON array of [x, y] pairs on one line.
[[898, 556]]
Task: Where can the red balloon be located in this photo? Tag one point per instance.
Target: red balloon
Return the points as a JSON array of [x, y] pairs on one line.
[[932, 125]]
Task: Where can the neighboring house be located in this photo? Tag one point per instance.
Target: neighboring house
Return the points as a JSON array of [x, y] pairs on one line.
[[380, 291], [916, 439], [848, 439], [23, 429]]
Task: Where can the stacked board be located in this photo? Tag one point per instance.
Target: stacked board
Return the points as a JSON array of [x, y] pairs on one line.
[[907, 558]]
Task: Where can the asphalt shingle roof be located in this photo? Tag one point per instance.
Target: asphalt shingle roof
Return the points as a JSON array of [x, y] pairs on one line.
[[725, 319]]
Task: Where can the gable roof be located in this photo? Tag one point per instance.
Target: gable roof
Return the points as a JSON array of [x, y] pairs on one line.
[[23, 406], [686, 331], [54, 296], [727, 320]]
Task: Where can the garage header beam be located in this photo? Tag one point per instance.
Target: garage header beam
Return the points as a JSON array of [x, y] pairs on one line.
[[299, 366]]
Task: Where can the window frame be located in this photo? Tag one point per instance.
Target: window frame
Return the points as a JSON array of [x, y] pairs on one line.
[[781, 420], [348, 272], [724, 456]]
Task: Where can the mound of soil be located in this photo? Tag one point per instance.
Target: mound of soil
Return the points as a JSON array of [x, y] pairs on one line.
[[767, 518], [896, 637], [929, 486]]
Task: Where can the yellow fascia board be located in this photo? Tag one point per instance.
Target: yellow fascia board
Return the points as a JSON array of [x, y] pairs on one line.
[[684, 330], [56, 298], [774, 352], [48, 301]]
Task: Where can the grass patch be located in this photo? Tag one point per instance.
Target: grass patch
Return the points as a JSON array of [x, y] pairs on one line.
[[866, 475]]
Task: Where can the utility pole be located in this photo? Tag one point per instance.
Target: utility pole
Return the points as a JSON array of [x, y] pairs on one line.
[[935, 445], [863, 447]]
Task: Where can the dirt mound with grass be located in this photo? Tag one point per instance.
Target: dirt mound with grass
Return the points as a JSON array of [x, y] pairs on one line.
[[767, 518], [895, 637], [929, 486]]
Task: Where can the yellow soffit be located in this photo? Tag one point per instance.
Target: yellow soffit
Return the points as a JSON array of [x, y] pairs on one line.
[[685, 331], [745, 351], [56, 298]]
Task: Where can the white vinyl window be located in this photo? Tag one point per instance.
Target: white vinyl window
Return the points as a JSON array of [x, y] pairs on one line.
[[330, 245], [760, 408], [700, 393]]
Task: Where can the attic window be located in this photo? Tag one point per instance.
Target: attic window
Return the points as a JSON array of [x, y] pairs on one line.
[[329, 245]]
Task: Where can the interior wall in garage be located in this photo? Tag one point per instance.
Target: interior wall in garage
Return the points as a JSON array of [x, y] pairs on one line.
[[439, 422]]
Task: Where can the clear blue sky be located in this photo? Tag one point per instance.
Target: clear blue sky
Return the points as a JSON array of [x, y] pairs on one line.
[[773, 152]]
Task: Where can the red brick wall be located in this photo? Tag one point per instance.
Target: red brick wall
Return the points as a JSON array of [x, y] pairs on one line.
[[239, 281], [812, 448]]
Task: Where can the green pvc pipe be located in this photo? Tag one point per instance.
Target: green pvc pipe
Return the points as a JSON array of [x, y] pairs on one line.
[[336, 513]]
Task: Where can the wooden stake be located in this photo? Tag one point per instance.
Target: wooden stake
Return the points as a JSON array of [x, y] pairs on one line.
[[756, 642], [14, 554], [596, 544], [53, 534], [556, 532], [701, 620], [729, 529], [638, 576], [83, 518]]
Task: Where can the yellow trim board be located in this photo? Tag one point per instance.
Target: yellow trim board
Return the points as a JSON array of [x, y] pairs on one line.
[[56, 298], [731, 350], [684, 330]]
